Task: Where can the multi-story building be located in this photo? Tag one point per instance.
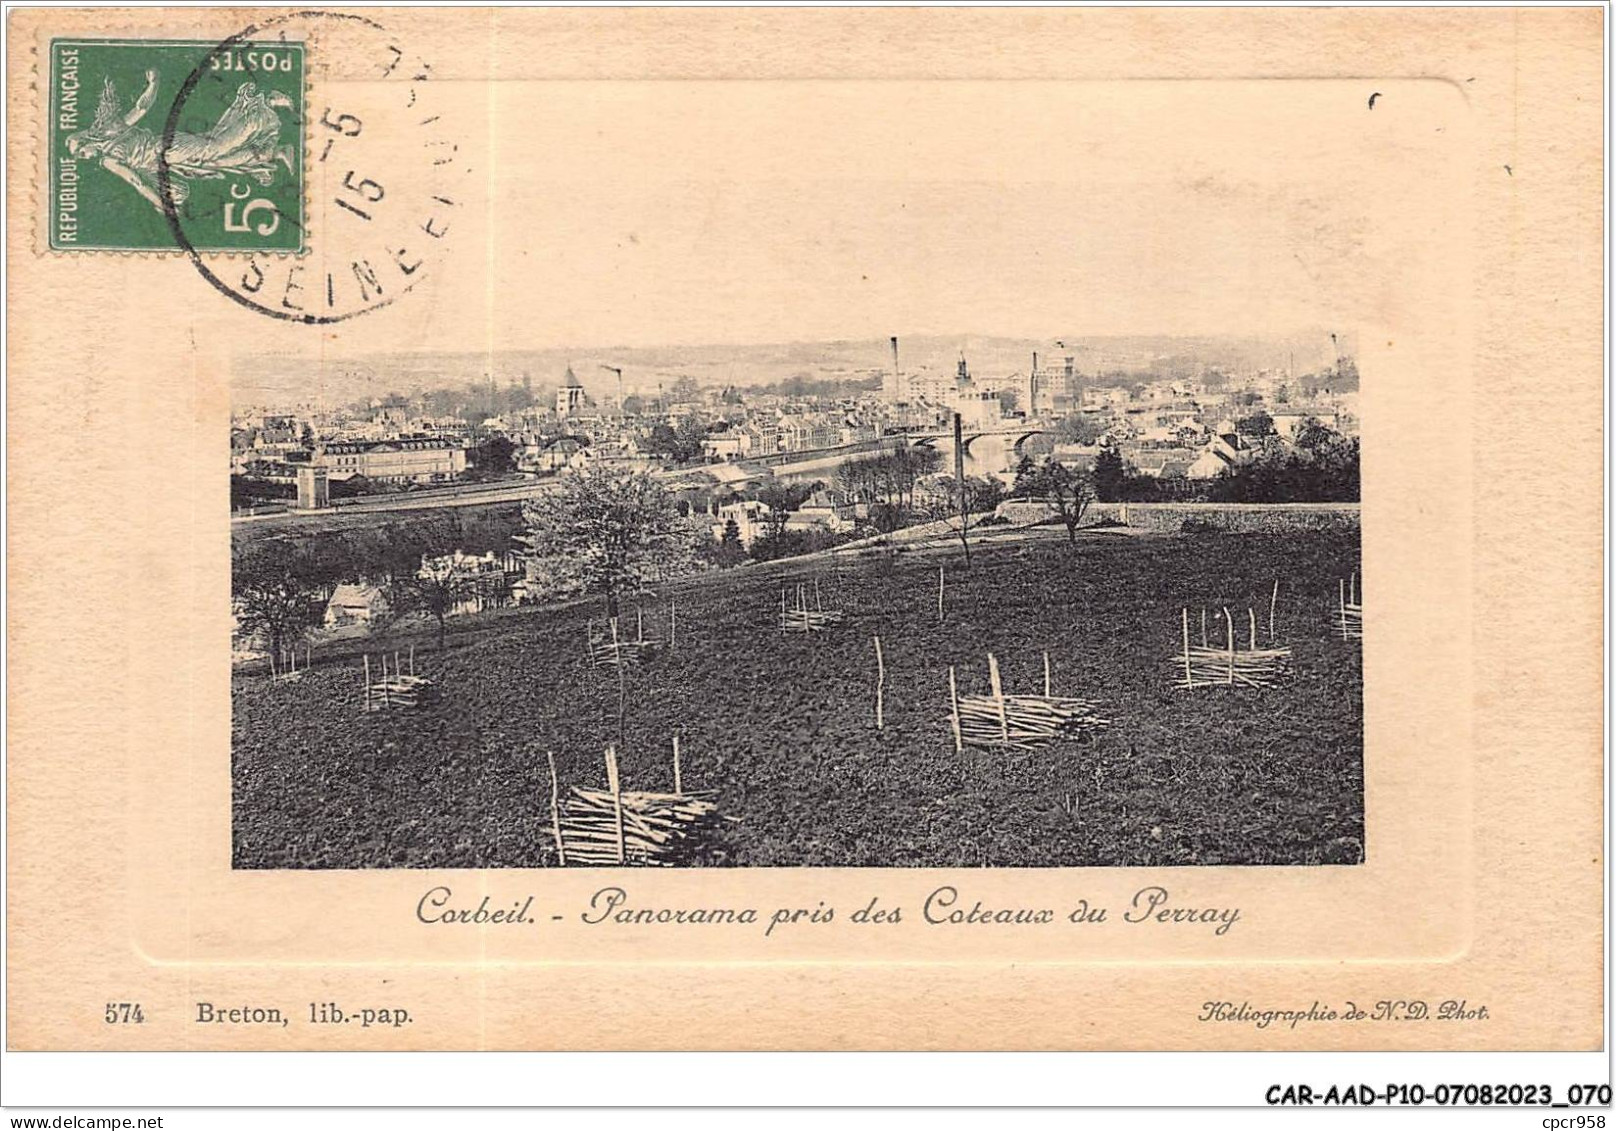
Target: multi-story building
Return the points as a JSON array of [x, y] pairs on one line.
[[749, 516], [421, 460]]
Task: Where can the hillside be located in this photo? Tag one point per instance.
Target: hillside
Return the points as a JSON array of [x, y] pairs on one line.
[[782, 729], [289, 378]]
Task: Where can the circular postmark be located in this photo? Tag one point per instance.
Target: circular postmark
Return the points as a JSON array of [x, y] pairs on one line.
[[376, 178]]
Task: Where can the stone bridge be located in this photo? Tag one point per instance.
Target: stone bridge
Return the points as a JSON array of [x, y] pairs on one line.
[[1007, 443]]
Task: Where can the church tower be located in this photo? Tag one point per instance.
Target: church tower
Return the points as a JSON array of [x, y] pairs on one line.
[[570, 400]]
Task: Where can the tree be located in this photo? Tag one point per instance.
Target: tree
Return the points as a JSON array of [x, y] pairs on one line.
[[611, 532], [986, 494], [1256, 424], [1323, 467], [782, 498], [1068, 490], [494, 456], [279, 588], [730, 551], [663, 440], [1110, 475], [1038, 446], [1026, 473], [436, 586], [684, 390], [688, 437], [970, 497], [1081, 428], [389, 557], [633, 405]]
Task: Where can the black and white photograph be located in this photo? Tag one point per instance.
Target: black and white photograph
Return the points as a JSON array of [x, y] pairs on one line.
[[915, 602]]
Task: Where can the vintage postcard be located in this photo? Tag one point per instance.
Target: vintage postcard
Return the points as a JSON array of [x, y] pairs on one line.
[[805, 529]]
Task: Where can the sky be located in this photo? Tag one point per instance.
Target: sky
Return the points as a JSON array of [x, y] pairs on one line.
[[621, 213]]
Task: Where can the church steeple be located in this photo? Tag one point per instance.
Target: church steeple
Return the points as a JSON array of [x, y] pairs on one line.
[[570, 398]]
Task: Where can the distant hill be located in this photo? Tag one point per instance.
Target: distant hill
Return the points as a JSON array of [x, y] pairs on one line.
[[261, 379]]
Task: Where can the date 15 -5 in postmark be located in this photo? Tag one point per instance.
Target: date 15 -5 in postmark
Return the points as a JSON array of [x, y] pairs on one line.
[[230, 158]]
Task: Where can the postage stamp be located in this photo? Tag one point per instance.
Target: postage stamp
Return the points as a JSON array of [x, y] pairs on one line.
[[125, 147]]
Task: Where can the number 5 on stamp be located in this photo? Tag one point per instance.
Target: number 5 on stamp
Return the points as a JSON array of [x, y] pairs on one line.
[[229, 163]]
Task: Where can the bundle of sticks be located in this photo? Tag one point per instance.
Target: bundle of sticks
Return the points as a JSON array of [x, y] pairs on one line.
[[396, 687], [657, 828], [1206, 664], [798, 615], [1021, 722], [609, 827], [1349, 610], [610, 649]]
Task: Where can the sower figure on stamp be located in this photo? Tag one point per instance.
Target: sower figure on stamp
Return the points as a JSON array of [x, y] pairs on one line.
[[245, 140]]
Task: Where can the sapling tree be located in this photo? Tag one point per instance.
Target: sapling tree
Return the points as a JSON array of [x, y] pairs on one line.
[[1069, 491], [608, 531]]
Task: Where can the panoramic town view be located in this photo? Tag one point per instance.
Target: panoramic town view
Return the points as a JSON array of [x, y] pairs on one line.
[[902, 602]]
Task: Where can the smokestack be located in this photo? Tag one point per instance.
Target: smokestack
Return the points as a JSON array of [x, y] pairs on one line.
[[897, 377], [1032, 387]]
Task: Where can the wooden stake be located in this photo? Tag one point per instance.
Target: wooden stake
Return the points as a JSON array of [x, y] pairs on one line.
[[998, 696], [1189, 677], [386, 696], [1046, 675], [639, 625], [617, 801], [1204, 644], [939, 594], [678, 776], [412, 659], [555, 809], [1273, 603], [1230, 622], [1252, 613], [673, 622], [880, 685], [1341, 607], [953, 716]]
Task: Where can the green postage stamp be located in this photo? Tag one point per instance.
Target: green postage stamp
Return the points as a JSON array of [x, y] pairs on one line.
[[173, 145]]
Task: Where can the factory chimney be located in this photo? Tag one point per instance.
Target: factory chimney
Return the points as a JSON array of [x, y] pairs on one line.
[[897, 378]]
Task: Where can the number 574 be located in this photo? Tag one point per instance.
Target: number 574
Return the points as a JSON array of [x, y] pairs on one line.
[[124, 1013]]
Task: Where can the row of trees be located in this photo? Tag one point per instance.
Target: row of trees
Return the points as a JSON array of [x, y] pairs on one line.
[[281, 584], [682, 443], [889, 477], [1320, 466]]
